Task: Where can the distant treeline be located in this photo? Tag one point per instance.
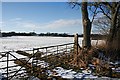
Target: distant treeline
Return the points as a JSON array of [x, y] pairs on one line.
[[56, 34], [8, 34]]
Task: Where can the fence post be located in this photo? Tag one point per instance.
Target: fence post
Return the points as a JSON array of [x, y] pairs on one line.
[[46, 63], [76, 43], [7, 64], [66, 48], [57, 49], [33, 63]]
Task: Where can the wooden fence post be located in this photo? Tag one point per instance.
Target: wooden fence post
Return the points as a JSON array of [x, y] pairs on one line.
[[76, 43]]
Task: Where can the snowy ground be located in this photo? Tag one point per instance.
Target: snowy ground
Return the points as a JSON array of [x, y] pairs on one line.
[[25, 43], [70, 74], [30, 42]]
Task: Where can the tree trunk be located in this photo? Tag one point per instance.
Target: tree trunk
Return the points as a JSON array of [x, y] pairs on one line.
[[86, 26], [112, 41]]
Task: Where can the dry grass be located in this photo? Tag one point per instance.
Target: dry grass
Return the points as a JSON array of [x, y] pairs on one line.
[[55, 60], [76, 61]]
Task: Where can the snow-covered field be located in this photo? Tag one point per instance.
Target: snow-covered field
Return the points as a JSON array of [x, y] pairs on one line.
[[30, 42], [26, 43]]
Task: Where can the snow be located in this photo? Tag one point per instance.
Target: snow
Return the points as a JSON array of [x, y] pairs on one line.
[[86, 71], [33, 78], [15, 43], [11, 63], [69, 74], [97, 42], [30, 42], [1, 76], [117, 69], [43, 64]]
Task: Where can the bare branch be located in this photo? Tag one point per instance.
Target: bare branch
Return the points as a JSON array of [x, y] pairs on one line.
[[104, 13], [74, 4], [107, 4], [117, 8], [94, 14]]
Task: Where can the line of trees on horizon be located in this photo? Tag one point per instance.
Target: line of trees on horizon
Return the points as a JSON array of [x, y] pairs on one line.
[[9, 34]]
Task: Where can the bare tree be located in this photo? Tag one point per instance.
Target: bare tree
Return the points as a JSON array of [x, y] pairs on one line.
[[81, 59], [102, 25], [111, 12], [86, 25], [109, 24], [114, 8]]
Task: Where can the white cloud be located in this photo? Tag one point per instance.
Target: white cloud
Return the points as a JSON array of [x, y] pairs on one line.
[[30, 25], [1, 24], [63, 23], [18, 24], [16, 19]]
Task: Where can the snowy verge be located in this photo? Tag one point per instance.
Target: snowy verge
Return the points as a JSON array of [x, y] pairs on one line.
[[70, 74]]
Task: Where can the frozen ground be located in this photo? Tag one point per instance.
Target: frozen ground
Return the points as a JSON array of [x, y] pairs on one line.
[[25, 43], [29, 42], [70, 74]]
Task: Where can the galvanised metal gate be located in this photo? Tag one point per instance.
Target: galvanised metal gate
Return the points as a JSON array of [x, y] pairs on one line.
[[31, 64]]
